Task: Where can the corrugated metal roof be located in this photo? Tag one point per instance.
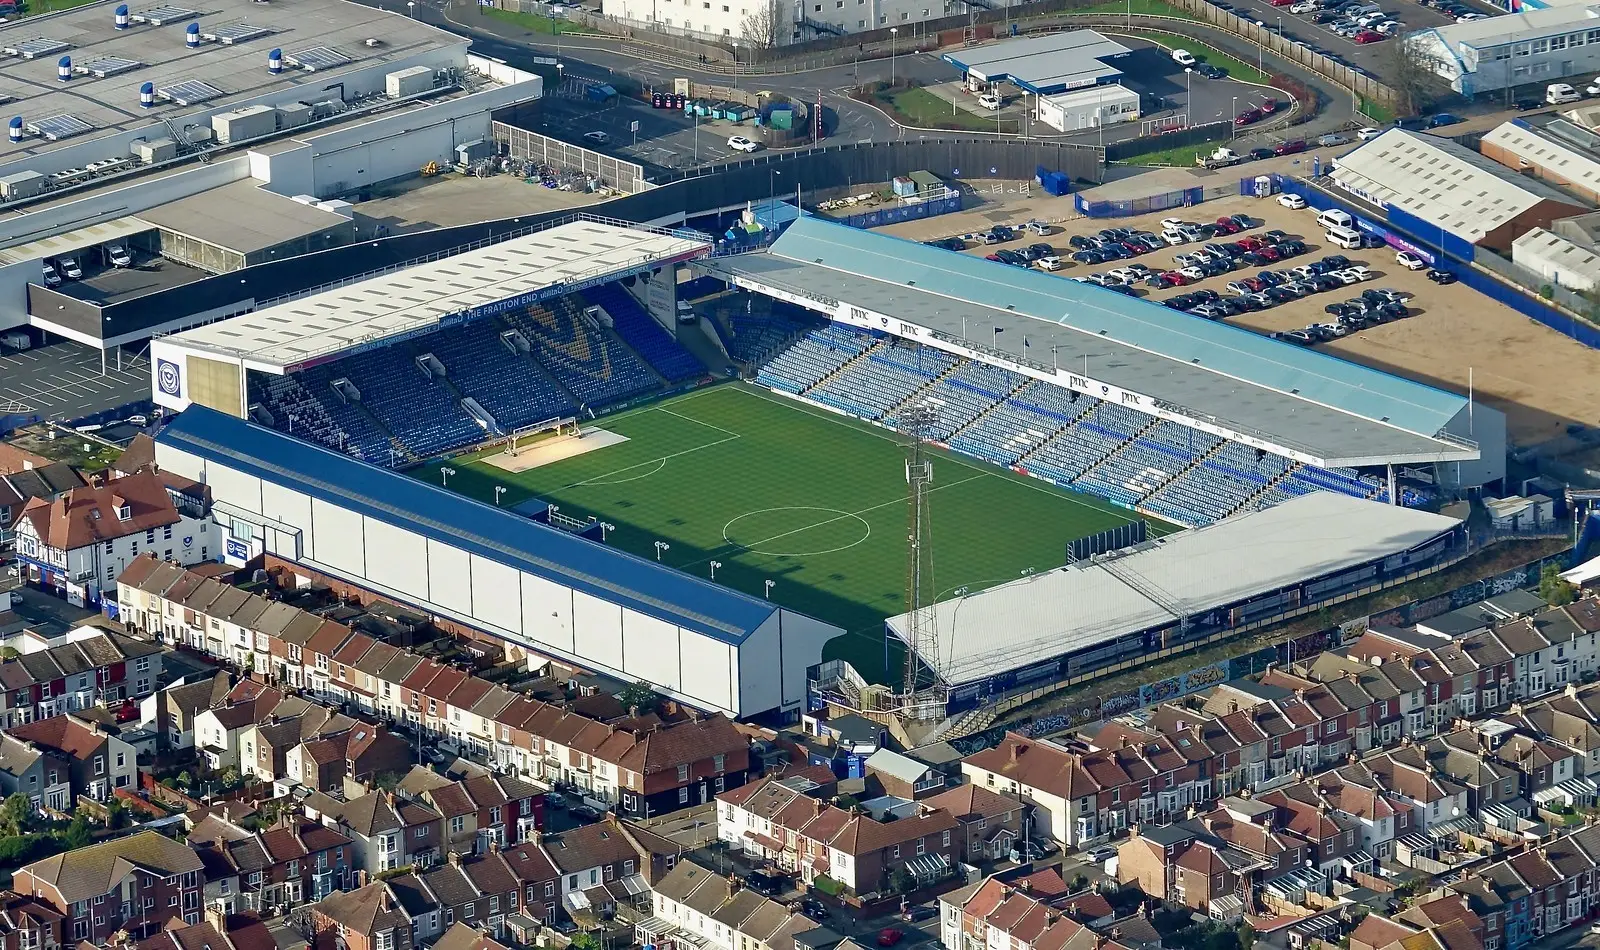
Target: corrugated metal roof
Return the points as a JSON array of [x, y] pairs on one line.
[[483, 529], [1441, 182], [1055, 612], [1302, 397], [1042, 64]]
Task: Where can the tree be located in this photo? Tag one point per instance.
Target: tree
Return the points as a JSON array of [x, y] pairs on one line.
[[640, 696], [1247, 937], [763, 26], [1554, 589], [77, 833], [16, 814], [229, 777], [1413, 74], [185, 779], [587, 941]]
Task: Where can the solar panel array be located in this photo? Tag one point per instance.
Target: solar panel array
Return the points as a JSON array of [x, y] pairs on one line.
[[104, 66], [38, 46], [236, 33], [315, 58], [58, 127], [188, 92], [158, 16]]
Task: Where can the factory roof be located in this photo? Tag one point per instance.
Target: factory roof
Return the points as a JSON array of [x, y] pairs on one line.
[[503, 536], [1441, 182], [1042, 64], [1295, 400], [1055, 612], [415, 299], [242, 217], [1499, 30], [1540, 147], [1556, 253], [230, 64]]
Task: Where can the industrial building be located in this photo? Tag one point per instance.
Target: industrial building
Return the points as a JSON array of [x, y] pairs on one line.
[[496, 570], [208, 142], [1041, 65], [1558, 259], [796, 23], [1449, 188], [1561, 42], [1091, 108], [1558, 152], [1136, 603]]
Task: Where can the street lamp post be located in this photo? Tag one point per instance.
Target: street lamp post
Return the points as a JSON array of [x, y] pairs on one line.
[[498, 491], [714, 566], [770, 585], [411, 9], [661, 546], [735, 47], [604, 527], [894, 48], [1188, 104], [1235, 132], [445, 472]]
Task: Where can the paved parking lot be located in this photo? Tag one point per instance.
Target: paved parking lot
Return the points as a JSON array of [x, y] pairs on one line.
[[666, 137], [1541, 379], [64, 381], [1375, 58]]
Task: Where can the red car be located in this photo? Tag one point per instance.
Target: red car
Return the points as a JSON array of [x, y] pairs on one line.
[[1247, 117], [1370, 36], [1254, 283], [1178, 280], [889, 936], [1290, 148], [1225, 227], [1268, 252], [1268, 107], [1251, 244]]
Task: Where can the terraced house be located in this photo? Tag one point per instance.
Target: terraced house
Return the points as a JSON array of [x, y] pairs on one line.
[[135, 884], [642, 765], [95, 669]]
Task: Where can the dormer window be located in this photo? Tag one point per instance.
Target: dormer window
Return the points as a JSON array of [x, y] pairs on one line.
[[124, 512]]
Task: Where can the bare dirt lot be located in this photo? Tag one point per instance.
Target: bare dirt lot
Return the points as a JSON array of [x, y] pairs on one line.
[[1540, 379]]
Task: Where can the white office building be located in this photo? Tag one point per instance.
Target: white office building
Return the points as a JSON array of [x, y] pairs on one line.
[[1558, 44]]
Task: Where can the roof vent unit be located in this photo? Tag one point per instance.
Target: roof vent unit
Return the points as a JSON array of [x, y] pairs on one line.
[[147, 96], [403, 83], [64, 69], [292, 115], [14, 128], [121, 17], [275, 62], [191, 36], [247, 123], [373, 42], [23, 185], [155, 150]]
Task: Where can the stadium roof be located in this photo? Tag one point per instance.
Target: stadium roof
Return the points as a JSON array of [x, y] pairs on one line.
[[230, 68], [1080, 605], [557, 260], [1294, 400], [1042, 64], [499, 534], [1441, 182]]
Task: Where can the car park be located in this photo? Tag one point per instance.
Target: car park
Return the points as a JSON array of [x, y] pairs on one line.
[[949, 243], [1035, 226], [1289, 148], [69, 267], [1441, 276], [1049, 262], [1369, 36], [118, 256], [1292, 202]]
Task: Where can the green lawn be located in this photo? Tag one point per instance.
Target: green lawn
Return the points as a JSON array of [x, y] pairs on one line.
[[532, 22], [775, 489], [1139, 8], [1177, 155], [922, 108], [1381, 115]]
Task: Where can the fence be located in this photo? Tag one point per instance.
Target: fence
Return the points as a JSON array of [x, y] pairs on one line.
[[1190, 135], [915, 211], [1127, 207], [525, 145]]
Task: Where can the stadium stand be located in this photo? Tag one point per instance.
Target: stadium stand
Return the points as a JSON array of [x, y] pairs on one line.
[[751, 336], [593, 367], [647, 337], [1130, 458], [506, 383]]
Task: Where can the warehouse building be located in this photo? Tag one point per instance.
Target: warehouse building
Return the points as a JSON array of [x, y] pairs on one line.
[[1558, 259], [206, 141], [1089, 108], [1042, 65], [1534, 46], [495, 570], [1448, 187], [1552, 153]]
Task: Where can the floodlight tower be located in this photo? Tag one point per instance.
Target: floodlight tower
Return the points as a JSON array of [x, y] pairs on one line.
[[921, 637]]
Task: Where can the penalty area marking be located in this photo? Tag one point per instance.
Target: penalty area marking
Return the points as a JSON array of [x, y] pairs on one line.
[[754, 547]]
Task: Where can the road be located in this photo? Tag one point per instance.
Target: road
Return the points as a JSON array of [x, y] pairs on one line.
[[848, 119]]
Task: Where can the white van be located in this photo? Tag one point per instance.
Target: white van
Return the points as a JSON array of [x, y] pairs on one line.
[[1344, 237], [1560, 93], [1334, 218]]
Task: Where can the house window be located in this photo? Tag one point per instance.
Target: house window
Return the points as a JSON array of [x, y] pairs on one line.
[[946, 839], [469, 910], [683, 773], [457, 824], [422, 832], [683, 795]]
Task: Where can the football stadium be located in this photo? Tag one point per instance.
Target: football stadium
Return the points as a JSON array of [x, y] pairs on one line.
[[555, 409]]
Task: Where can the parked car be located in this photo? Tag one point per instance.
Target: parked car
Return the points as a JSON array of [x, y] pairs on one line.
[[741, 144], [1441, 277], [1248, 116], [52, 277], [889, 936], [1332, 139], [1183, 57], [1368, 134], [1211, 72], [1443, 119], [596, 138], [1369, 36], [1410, 261], [949, 243], [1036, 226], [118, 256], [1292, 202], [1289, 148], [1049, 262], [69, 267]]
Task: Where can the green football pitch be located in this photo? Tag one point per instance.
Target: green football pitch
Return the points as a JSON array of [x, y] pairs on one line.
[[774, 489]]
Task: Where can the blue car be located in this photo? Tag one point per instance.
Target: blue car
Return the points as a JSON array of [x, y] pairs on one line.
[[1444, 119]]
